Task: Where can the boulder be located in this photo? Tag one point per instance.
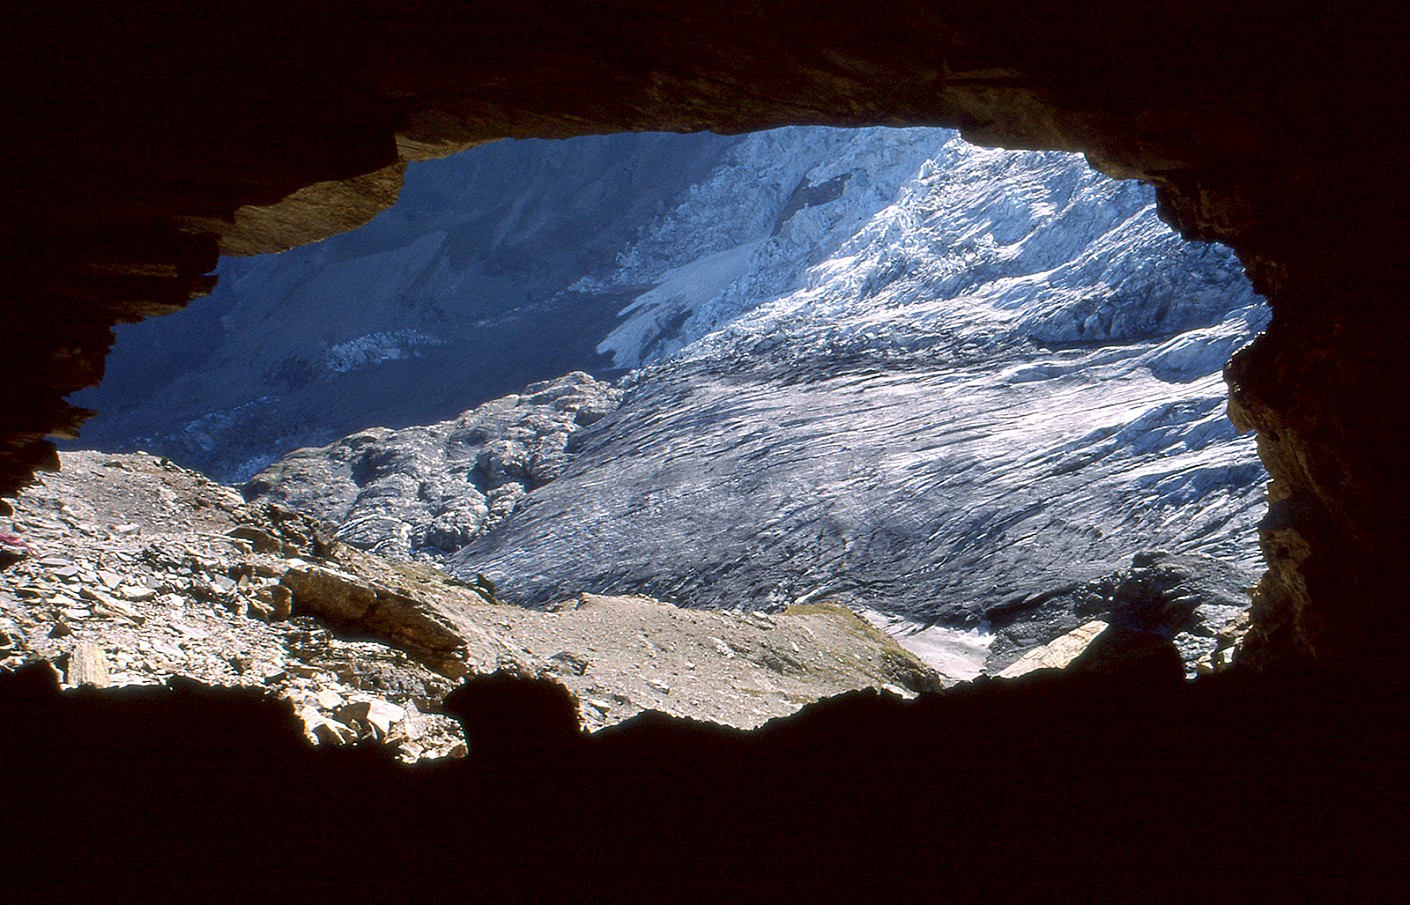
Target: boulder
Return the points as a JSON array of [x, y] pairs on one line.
[[1057, 653], [424, 626]]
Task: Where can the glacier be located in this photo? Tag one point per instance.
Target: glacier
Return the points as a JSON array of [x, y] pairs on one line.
[[971, 376]]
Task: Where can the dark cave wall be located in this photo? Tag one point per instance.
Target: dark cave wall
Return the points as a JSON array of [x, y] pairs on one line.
[[146, 140], [1133, 786]]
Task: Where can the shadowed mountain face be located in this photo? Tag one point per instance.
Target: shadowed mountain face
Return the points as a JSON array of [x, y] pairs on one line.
[[459, 294]]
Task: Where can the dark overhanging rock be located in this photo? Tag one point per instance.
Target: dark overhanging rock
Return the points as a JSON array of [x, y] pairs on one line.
[[144, 143]]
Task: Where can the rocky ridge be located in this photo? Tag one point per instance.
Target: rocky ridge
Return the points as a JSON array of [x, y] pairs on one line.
[[128, 570], [436, 488]]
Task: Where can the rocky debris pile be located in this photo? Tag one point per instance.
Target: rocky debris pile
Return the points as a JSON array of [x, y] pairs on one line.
[[132, 571], [138, 571], [433, 489]]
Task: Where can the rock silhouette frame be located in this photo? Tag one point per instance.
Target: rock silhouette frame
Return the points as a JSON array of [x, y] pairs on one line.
[[148, 140], [1129, 785]]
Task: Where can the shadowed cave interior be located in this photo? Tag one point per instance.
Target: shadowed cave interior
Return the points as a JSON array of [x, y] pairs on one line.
[[150, 144]]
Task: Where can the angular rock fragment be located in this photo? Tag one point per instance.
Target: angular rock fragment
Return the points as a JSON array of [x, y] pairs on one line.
[[272, 603], [324, 731], [378, 716], [88, 665], [1057, 653], [571, 662], [422, 626]]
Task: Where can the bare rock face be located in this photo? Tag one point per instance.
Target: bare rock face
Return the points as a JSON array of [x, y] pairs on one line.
[[1269, 126]]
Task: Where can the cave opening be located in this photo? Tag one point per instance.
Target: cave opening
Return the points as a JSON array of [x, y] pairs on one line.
[[972, 395]]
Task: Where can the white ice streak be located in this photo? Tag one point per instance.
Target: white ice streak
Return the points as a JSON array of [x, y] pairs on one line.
[[375, 348]]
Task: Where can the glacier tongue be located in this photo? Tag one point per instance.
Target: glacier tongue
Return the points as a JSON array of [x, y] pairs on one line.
[[963, 376]]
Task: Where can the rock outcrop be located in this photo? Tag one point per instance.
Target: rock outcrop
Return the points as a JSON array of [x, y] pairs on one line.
[[438, 487], [1195, 602], [138, 572]]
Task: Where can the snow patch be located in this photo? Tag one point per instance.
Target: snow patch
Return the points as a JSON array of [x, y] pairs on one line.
[[957, 654]]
